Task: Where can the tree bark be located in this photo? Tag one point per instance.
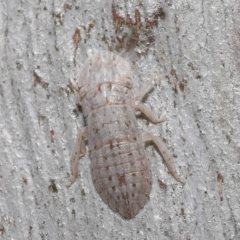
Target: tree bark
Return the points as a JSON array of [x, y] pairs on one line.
[[190, 48]]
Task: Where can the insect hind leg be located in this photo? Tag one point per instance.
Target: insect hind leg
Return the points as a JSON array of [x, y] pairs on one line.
[[165, 154], [78, 152]]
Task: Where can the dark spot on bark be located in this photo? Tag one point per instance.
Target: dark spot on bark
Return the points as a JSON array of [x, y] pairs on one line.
[[83, 193], [110, 86], [111, 143], [52, 187]]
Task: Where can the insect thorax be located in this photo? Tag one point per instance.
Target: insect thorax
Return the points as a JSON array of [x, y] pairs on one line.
[[105, 94]]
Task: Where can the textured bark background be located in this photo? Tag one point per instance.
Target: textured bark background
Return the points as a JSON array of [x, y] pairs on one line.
[[192, 50]]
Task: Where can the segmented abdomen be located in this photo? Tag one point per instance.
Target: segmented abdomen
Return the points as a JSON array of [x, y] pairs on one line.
[[121, 172]]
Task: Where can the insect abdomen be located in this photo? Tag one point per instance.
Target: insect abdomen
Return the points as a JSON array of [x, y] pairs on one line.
[[120, 169], [122, 176]]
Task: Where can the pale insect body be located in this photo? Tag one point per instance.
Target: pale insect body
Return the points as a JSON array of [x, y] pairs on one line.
[[120, 169]]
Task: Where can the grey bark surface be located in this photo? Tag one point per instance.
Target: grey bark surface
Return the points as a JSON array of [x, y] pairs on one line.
[[190, 48]]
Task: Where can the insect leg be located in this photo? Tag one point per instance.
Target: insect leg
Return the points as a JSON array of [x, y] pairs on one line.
[[148, 113], [143, 108], [143, 90], [78, 152], [165, 154]]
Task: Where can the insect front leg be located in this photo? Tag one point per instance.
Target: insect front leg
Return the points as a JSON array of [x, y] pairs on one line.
[[145, 109], [165, 154], [78, 152], [143, 90]]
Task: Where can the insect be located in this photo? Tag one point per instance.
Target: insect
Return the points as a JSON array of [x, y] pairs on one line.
[[121, 171]]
